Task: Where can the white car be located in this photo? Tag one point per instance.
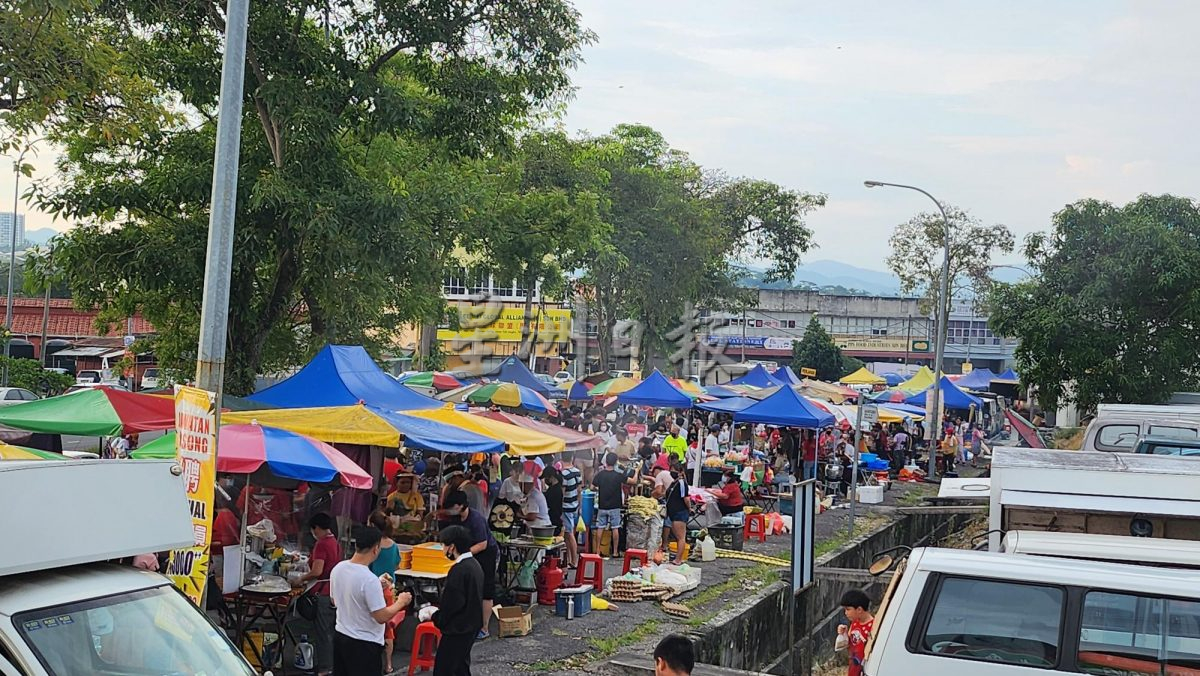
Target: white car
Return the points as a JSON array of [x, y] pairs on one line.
[[563, 377], [16, 395], [150, 379]]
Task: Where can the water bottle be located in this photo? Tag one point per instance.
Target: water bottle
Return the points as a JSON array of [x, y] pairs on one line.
[[304, 655], [570, 607]]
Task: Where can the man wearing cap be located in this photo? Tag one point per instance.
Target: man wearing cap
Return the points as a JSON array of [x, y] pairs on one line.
[[455, 478], [534, 507]]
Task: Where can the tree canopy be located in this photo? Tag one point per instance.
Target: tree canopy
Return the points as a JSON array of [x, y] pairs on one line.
[[1113, 311], [816, 350], [364, 135], [917, 251]]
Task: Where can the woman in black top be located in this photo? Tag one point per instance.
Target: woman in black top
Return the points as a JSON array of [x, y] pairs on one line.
[[677, 512], [554, 497]]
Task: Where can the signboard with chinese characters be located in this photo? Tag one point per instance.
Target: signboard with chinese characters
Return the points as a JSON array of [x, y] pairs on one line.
[[195, 448], [494, 322]]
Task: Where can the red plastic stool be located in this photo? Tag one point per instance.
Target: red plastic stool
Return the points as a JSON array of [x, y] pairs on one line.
[[590, 571], [755, 524], [630, 555], [425, 643]]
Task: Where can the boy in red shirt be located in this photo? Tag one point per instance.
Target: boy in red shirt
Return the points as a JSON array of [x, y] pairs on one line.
[[854, 637]]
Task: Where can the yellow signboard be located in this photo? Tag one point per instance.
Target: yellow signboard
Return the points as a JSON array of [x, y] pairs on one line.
[[967, 367], [195, 447], [488, 322], [808, 373]]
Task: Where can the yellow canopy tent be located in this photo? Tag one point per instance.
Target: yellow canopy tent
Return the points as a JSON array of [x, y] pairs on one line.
[[863, 377], [331, 424], [520, 441], [921, 380]]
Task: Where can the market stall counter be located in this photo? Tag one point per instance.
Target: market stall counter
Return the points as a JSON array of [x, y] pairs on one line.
[[518, 553]]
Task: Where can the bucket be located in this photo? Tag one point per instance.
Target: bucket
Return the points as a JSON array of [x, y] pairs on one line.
[[726, 537], [587, 507]]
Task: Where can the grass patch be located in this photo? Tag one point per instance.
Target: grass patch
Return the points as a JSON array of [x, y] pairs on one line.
[[915, 495], [602, 648], [862, 526]]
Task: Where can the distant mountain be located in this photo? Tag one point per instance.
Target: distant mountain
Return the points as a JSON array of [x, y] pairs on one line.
[[40, 236], [826, 273]]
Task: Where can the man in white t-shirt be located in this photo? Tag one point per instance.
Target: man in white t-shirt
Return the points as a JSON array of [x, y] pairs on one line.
[[361, 611], [712, 444], [534, 506]]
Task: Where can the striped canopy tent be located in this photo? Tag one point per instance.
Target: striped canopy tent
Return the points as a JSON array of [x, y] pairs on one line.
[[575, 441], [520, 441]]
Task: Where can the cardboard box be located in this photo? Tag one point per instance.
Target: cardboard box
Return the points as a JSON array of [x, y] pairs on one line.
[[514, 620]]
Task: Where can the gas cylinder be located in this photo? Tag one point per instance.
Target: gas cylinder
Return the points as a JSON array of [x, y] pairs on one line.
[[548, 578]]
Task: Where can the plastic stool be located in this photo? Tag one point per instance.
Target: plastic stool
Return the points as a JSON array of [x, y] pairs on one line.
[[756, 524], [425, 643], [630, 555], [590, 571]]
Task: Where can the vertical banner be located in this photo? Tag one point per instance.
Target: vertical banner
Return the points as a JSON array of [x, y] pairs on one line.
[[195, 448], [804, 511]]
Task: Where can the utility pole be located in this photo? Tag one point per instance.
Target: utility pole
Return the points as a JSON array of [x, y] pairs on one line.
[[214, 312], [12, 261]]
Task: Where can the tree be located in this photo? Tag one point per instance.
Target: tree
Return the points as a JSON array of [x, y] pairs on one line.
[[545, 220], [850, 365], [364, 132], [918, 250], [816, 350], [676, 233], [1112, 313], [29, 374]]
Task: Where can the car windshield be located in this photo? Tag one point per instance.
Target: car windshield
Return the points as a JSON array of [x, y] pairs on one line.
[[152, 632]]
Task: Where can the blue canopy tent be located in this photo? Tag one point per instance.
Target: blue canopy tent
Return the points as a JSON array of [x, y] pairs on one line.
[[1008, 375], [893, 379], [343, 375], [655, 391], [952, 397], [757, 377], [431, 435], [513, 370], [905, 408], [722, 392], [787, 376], [979, 379], [785, 408], [732, 405]]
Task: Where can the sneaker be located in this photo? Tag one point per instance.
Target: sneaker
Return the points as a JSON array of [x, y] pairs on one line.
[[481, 635]]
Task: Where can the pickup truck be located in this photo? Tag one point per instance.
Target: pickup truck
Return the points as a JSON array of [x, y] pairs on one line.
[[1188, 448]]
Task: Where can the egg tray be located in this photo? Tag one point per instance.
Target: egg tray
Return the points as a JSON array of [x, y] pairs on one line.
[[676, 609]]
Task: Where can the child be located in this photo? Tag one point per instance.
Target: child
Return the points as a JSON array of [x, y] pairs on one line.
[[855, 603], [389, 629]]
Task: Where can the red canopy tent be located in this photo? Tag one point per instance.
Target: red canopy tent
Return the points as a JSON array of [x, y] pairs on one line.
[[576, 441]]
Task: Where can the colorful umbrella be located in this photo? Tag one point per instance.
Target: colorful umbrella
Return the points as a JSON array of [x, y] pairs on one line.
[[8, 452], [687, 387], [578, 391], [894, 396], [435, 379], [94, 412], [244, 449], [614, 386], [513, 396]]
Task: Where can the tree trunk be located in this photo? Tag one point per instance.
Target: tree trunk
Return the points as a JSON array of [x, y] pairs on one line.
[[526, 347], [427, 333]]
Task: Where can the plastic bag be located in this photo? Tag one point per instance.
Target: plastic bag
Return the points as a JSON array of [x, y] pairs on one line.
[[643, 532]]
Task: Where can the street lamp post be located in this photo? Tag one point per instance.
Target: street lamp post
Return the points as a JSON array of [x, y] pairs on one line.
[[943, 310], [12, 263]]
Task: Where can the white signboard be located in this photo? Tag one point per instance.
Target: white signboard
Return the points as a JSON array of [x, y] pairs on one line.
[[870, 414]]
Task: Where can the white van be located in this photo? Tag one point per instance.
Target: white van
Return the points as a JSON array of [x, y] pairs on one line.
[[65, 610], [958, 612], [1117, 427]]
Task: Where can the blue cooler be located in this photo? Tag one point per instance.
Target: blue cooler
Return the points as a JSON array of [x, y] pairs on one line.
[[582, 596]]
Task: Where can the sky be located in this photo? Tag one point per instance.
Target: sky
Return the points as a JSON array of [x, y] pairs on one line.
[[1007, 109]]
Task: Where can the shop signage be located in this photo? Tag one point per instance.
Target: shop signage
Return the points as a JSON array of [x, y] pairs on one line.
[[195, 449], [487, 322], [920, 346], [808, 372]]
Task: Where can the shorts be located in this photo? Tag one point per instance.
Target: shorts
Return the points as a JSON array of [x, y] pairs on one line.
[[682, 515], [608, 518], [569, 520]]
